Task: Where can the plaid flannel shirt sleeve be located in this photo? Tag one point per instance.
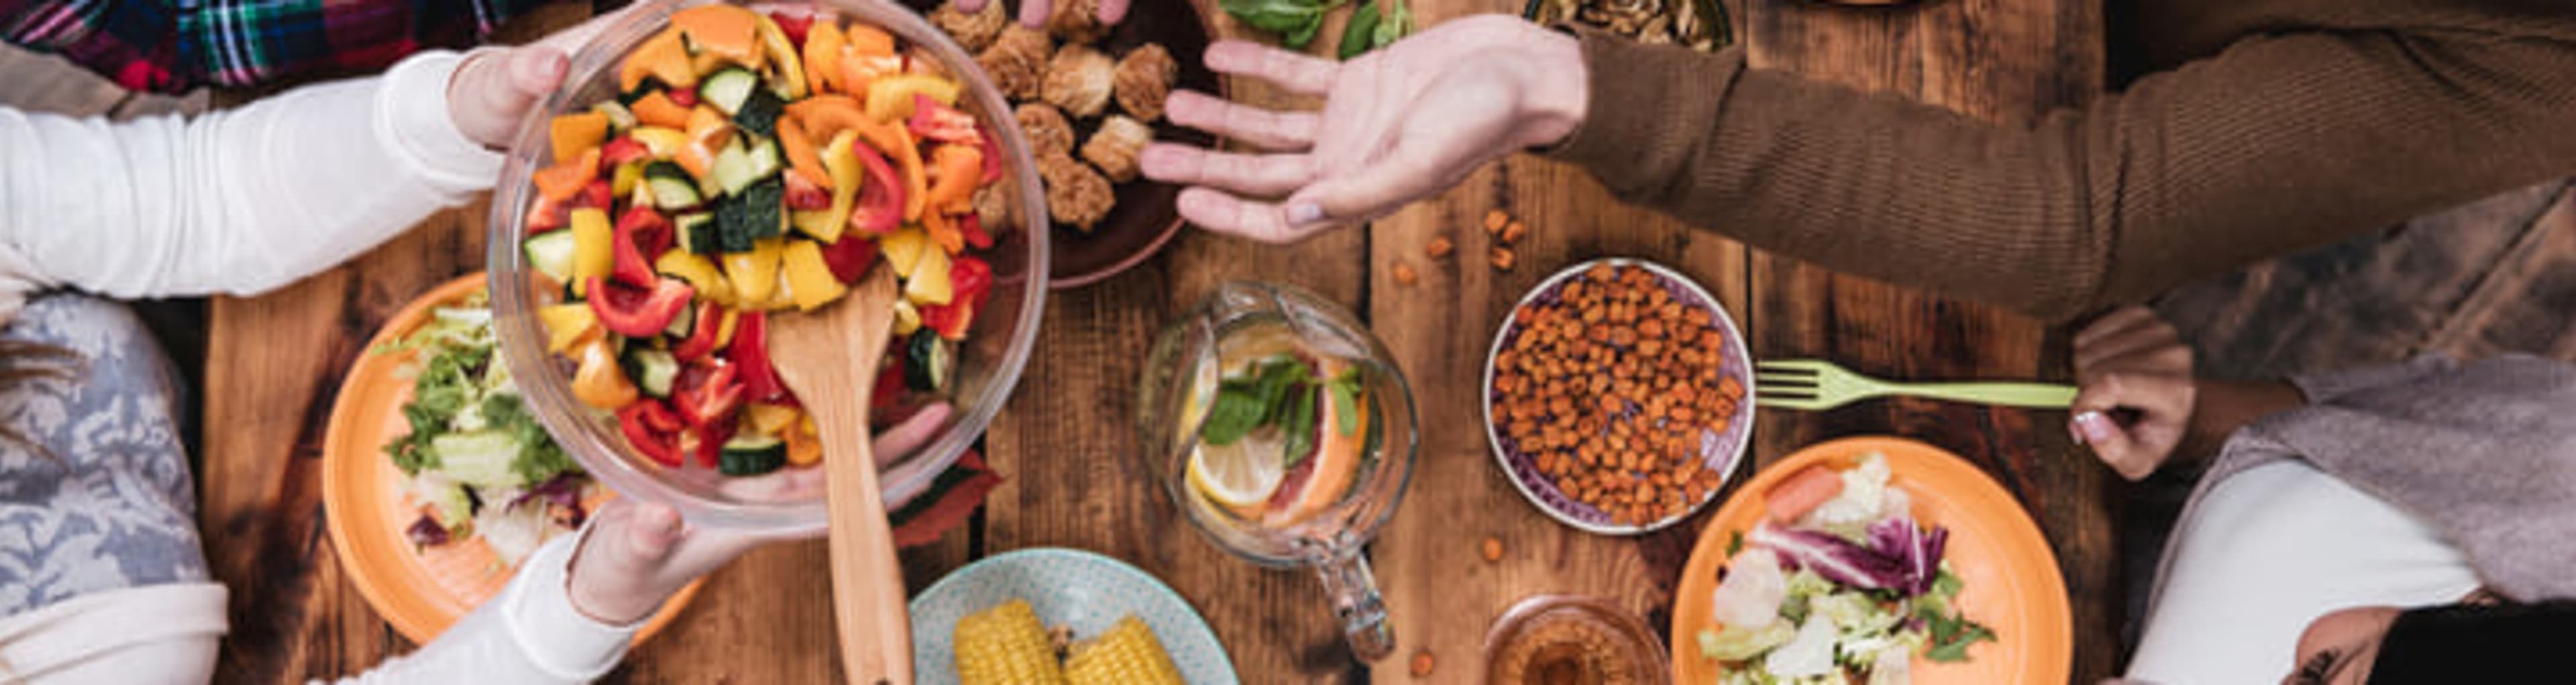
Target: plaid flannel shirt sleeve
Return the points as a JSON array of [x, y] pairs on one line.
[[176, 45]]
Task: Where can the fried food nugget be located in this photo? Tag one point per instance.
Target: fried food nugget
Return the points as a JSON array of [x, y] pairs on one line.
[[1076, 21], [1050, 134], [1076, 194], [1018, 61], [1143, 79], [1114, 147], [975, 30], [1078, 80]]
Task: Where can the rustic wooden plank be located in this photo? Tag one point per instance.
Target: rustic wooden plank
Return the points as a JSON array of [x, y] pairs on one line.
[[2005, 60]]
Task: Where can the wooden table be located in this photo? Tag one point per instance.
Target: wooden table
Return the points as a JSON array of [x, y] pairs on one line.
[[1072, 481]]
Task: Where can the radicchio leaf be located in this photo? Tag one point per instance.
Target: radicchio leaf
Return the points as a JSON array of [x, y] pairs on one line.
[[426, 532], [1834, 558], [1915, 550]]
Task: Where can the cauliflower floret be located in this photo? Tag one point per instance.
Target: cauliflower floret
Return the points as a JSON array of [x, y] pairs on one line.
[[1114, 147]]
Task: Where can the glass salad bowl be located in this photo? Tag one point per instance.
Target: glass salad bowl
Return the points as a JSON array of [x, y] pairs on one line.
[[986, 363]]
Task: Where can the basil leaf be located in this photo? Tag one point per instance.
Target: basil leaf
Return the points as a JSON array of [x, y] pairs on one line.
[[1299, 423], [1234, 414], [1304, 34], [1283, 17], [1951, 637], [1397, 22], [1346, 406], [1361, 34]]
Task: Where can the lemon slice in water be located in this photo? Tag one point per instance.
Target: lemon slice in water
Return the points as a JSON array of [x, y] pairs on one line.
[[1240, 476]]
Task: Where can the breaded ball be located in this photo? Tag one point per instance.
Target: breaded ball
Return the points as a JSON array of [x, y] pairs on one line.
[[1076, 21], [1078, 80], [1143, 79], [1050, 134], [1114, 147], [1017, 61], [1077, 195], [976, 31]]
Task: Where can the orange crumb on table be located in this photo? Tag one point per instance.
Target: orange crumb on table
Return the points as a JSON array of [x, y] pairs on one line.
[[1422, 664], [1493, 549], [1404, 274], [1502, 258], [1512, 232], [1439, 247], [1495, 220]]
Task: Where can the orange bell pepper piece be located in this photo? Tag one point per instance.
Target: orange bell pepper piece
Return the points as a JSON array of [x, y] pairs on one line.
[[957, 170], [563, 181], [572, 133], [664, 57], [826, 115], [823, 44], [802, 157], [870, 40], [725, 30], [657, 109]]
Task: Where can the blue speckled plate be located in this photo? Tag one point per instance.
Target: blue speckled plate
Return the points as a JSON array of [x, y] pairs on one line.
[[1067, 587]]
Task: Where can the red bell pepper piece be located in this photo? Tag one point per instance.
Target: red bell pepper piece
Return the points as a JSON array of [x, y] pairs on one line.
[[850, 258], [750, 351], [707, 442], [795, 27], [973, 228], [992, 160], [889, 390], [637, 312], [702, 335], [707, 392], [804, 195], [596, 195], [547, 215], [642, 235], [653, 429], [684, 97], [943, 123], [880, 206], [623, 150]]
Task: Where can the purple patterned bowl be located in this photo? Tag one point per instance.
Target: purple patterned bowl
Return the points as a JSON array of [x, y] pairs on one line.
[[1720, 450]]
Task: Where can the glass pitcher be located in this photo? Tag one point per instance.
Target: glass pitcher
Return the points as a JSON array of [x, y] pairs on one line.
[[1229, 390]]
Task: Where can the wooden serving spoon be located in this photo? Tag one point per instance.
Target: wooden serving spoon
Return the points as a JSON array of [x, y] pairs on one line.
[[829, 357]]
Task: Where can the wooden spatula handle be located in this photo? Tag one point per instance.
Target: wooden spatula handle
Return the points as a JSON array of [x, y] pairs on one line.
[[867, 579]]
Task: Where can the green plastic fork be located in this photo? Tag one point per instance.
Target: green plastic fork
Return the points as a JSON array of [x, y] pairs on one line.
[[1818, 385]]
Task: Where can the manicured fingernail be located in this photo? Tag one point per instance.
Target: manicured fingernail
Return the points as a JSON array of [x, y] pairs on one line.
[[1303, 213], [2091, 427]]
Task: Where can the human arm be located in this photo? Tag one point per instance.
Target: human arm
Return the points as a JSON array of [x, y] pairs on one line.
[[173, 47], [2281, 141], [2139, 406]]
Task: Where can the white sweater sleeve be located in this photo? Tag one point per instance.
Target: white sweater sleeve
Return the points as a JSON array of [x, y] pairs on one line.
[[240, 201], [529, 635]]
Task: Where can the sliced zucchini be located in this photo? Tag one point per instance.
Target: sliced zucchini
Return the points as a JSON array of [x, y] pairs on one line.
[[739, 165], [759, 113], [653, 370], [751, 455], [679, 328], [753, 214], [728, 88], [620, 119], [551, 253], [697, 232], [671, 185], [928, 361]]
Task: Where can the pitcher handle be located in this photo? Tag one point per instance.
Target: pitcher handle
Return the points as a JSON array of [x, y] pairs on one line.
[[1355, 601]]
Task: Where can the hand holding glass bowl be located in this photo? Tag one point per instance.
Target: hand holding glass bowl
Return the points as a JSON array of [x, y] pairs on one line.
[[789, 501]]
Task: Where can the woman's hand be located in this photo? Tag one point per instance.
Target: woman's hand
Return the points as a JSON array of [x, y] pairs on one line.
[[2137, 391], [637, 554], [494, 88], [1398, 124], [1033, 13]]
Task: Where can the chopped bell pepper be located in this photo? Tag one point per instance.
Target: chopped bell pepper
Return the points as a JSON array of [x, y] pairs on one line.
[[879, 207], [665, 58], [907, 318], [771, 419], [750, 351], [707, 392], [594, 253], [870, 40], [802, 157], [654, 430], [709, 127], [567, 325], [972, 225], [797, 27], [657, 109], [700, 272], [662, 142], [784, 67], [755, 273], [804, 448], [842, 163], [600, 193], [637, 312], [707, 442], [725, 30], [684, 96], [805, 196], [704, 331], [640, 232], [992, 159], [971, 279], [860, 70], [850, 259], [546, 215], [623, 151], [929, 283], [890, 98], [937, 121], [810, 277], [598, 381], [823, 43], [570, 134], [904, 249], [622, 181], [565, 180]]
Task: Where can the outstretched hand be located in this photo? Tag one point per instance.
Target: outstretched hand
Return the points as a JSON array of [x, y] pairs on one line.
[[2137, 392], [1398, 124]]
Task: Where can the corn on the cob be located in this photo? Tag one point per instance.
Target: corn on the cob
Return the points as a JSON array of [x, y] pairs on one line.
[[1005, 645], [1128, 654]]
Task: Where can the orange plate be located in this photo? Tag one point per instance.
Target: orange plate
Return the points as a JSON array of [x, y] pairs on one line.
[[2009, 575], [423, 592]]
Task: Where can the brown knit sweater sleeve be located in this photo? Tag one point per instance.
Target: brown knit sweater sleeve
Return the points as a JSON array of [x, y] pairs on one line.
[[2277, 143]]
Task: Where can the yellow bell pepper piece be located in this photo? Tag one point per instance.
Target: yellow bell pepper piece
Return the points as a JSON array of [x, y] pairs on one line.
[[598, 382], [593, 247], [907, 318], [623, 181], [803, 447], [755, 273], [785, 67], [890, 98], [567, 325], [928, 283], [810, 278], [782, 297], [843, 165], [700, 272], [903, 249], [771, 419], [709, 127], [724, 334], [665, 143]]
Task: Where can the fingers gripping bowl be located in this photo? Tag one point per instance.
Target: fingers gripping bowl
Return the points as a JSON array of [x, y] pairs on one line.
[[979, 354]]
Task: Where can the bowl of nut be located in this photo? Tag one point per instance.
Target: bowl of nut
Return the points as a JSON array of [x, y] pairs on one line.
[[1618, 396]]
